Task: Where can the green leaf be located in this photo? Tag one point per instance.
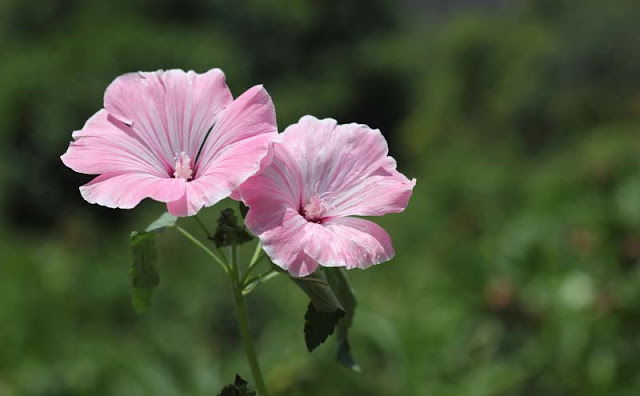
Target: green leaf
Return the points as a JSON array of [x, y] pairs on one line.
[[244, 209], [339, 283], [331, 294], [229, 232], [164, 221], [144, 274], [238, 388], [319, 325], [324, 311], [319, 291]]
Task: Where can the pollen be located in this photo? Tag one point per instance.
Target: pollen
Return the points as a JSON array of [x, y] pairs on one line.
[[315, 209], [183, 167]]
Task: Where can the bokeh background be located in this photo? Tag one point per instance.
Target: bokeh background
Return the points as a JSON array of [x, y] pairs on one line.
[[517, 267]]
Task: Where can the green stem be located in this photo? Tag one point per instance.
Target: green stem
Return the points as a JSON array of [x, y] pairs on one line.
[[209, 235], [256, 254], [250, 284], [254, 261], [243, 324], [204, 248], [204, 227]]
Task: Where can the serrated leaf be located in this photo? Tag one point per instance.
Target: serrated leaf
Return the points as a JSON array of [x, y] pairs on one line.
[[144, 273], [324, 311], [165, 221], [319, 325], [238, 388], [340, 285], [229, 232]]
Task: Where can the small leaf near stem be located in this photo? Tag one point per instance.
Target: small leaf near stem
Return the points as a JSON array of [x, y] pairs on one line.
[[167, 220], [249, 285], [229, 232], [238, 388], [144, 273]]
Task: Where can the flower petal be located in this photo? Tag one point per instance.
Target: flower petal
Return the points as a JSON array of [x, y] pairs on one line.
[[251, 114], [284, 243], [348, 242], [233, 166], [126, 190], [302, 265], [384, 191], [171, 111], [348, 164], [276, 188], [105, 144]]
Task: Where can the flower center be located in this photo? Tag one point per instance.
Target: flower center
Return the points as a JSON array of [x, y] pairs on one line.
[[315, 209], [183, 167]]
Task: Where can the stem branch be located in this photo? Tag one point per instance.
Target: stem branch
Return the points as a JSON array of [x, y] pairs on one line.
[[199, 244]]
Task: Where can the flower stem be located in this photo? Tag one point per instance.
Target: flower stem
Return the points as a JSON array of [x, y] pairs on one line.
[[243, 324], [199, 244], [201, 224], [257, 256]]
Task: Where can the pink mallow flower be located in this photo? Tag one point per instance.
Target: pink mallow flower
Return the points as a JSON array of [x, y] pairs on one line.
[[320, 175], [172, 136]]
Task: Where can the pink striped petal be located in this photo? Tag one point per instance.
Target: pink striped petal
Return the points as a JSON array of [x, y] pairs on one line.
[[284, 243], [233, 165], [348, 166], [126, 190], [320, 173], [172, 110], [348, 242], [251, 114], [276, 188], [302, 265], [180, 126], [384, 191], [238, 145], [105, 144]]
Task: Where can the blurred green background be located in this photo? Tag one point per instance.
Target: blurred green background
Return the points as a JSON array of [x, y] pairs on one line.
[[517, 266]]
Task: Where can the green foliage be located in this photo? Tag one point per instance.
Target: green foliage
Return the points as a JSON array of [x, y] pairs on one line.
[[318, 289], [238, 388], [339, 283], [144, 272], [319, 325], [229, 232], [333, 304], [324, 310], [166, 220]]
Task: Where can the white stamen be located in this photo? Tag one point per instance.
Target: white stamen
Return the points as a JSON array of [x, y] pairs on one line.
[[183, 167]]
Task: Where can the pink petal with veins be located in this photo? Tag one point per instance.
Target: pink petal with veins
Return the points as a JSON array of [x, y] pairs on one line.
[[322, 173], [179, 134]]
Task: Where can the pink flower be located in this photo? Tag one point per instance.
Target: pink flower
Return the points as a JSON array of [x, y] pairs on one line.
[[320, 175], [172, 136]]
